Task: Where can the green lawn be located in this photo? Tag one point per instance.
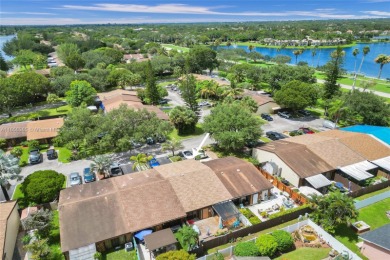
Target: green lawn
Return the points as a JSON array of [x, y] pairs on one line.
[[374, 215], [246, 238], [45, 112], [165, 83], [175, 135], [120, 255], [366, 196], [63, 154], [175, 47], [306, 253], [265, 139], [54, 238]]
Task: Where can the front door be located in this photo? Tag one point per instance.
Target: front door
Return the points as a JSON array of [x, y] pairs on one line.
[[255, 199]]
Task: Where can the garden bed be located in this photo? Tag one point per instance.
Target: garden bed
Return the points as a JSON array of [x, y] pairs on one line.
[[360, 226]]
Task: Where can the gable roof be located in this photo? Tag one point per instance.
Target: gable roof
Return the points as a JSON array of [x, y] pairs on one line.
[[42, 129], [6, 209], [298, 157], [13, 130], [379, 237], [105, 209], [195, 184], [260, 99], [241, 178], [380, 132], [367, 146]]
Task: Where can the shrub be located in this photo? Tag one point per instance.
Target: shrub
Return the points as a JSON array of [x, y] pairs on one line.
[[98, 256], [246, 249], [281, 213], [217, 256], [264, 214], [33, 144], [3, 143], [22, 163], [178, 254], [254, 220], [26, 239], [17, 151], [175, 158], [284, 240], [267, 245], [24, 143], [42, 186]]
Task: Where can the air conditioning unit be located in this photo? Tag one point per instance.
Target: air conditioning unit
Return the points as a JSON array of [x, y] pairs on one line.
[[129, 246]]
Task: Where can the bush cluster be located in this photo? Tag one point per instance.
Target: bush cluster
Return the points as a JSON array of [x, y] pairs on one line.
[[246, 249], [284, 240], [282, 213], [253, 219]]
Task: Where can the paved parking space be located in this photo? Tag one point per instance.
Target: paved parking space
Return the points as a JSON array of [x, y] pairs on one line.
[[281, 124]]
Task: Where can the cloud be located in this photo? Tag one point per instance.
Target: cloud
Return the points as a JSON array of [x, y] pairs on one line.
[[379, 13], [38, 21], [28, 13]]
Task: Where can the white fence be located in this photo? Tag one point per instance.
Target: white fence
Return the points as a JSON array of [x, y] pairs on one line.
[[332, 242]]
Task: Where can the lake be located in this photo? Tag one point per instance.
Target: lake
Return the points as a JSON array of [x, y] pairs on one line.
[[3, 39], [369, 68]]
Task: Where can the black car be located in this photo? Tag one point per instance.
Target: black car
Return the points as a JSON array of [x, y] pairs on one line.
[[150, 141], [304, 113], [163, 101], [115, 170], [35, 156], [284, 114], [274, 135], [52, 154], [266, 117]]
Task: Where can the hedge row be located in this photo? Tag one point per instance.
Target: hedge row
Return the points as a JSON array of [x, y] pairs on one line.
[[282, 213]]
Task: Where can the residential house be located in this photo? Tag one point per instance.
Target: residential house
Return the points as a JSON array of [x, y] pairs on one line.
[[382, 133], [44, 130], [107, 213], [114, 99], [14, 133], [220, 81], [376, 243], [265, 103], [9, 228], [315, 159]]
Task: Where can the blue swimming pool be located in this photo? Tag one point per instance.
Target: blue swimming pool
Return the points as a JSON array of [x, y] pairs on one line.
[[380, 132]]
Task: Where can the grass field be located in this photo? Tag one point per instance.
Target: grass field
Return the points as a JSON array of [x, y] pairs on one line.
[[120, 254], [175, 47], [175, 135], [306, 253], [374, 215], [42, 113], [63, 154]]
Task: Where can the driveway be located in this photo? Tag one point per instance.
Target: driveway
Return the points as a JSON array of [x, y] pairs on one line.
[[174, 98], [281, 124]]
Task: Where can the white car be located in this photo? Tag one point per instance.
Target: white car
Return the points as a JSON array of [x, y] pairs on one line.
[[188, 155]]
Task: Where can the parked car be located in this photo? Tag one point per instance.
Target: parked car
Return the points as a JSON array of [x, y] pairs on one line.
[[266, 117], [284, 114], [153, 163], [88, 175], [75, 179], [306, 130], [204, 104], [163, 101], [329, 124], [51, 154], [150, 141], [35, 156], [135, 144], [160, 139], [115, 170], [275, 135], [188, 155], [304, 112]]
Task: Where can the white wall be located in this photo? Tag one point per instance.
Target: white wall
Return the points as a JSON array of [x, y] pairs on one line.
[[13, 224], [287, 172]]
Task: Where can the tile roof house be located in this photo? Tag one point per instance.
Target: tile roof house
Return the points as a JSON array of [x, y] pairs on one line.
[[301, 157], [44, 129], [14, 132], [376, 243], [113, 99], [265, 103], [115, 208], [9, 228]]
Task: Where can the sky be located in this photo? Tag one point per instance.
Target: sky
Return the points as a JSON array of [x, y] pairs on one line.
[[60, 12]]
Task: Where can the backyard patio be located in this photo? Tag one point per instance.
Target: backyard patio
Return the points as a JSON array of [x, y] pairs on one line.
[[276, 201], [208, 227]]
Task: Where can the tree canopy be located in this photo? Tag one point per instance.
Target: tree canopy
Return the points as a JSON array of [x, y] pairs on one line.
[[297, 95], [80, 92]]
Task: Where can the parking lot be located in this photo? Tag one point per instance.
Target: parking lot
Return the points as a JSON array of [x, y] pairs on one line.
[[281, 124]]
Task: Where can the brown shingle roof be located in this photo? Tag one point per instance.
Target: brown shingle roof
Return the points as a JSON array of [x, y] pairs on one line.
[[42, 129], [194, 183], [218, 80], [113, 99], [239, 177], [105, 209], [6, 209], [160, 239], [260, 99], [298, 157], [13, 130], [367, 146]]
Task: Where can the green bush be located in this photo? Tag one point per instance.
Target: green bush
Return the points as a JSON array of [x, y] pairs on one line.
[[175, 158], [23, 163], [42, 186], [33, 144], [267, 245], [178, 254], [3, 143], [253, 219], [217, 256], [17, 151], [281, 213], [26, 239], [284, 240], [246, 249], [24, 143], [98, 256]]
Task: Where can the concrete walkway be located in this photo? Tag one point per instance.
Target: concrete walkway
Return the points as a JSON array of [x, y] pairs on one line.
[[378, 93]]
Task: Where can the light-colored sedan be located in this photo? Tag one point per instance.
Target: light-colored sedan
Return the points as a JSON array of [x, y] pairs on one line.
[[75, 179]]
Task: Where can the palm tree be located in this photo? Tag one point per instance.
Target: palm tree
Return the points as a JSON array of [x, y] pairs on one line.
[[172, 145], [9, 170], [101, 164], [354, 53], [297, 53], [188, 236], [366, 50], [233, 91], [250, 48], [208, 89], [313, 54], [228, 44], [382, 59], [140, 161]]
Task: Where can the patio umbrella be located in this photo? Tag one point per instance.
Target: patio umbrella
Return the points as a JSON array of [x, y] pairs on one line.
[[140, 235]]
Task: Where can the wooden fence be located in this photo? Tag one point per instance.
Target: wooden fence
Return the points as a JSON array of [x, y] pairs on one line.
[[369, 189], [298, 198], [222, 240]]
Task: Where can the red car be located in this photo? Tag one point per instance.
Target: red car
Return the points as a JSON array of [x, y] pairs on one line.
[[306, 130]]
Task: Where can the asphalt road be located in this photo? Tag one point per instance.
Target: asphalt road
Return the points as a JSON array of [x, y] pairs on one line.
[[281, 124]]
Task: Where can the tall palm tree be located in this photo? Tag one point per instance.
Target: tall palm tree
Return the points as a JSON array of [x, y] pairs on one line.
[[233, 91], [9, 170], [101, 164], [354, 53], [366, 50], [251, 48], [297, 53], [209, 89], [382, 59], [172, 145], [140, 161]]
